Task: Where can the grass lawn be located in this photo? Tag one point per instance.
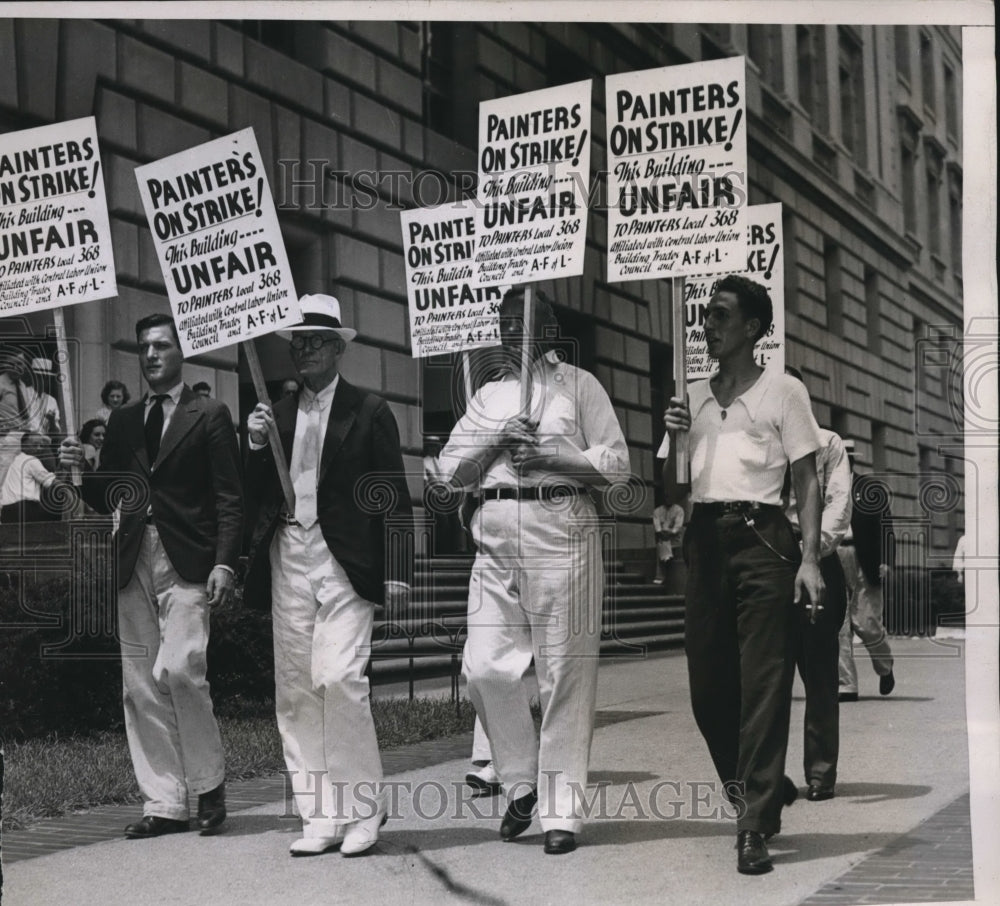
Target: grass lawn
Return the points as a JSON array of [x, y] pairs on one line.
[[43, 778]]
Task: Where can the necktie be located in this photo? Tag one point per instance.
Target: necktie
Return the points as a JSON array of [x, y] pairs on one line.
[[154, 427], [306, 481]]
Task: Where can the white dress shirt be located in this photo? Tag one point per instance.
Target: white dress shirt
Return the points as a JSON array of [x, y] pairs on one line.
[[307, 400], [169, 405], [571, 408], [834, 473]]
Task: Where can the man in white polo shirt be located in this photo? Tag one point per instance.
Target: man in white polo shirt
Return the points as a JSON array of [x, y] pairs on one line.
[[746, 576]]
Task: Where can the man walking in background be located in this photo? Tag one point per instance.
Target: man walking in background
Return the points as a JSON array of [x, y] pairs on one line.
[[819, 645], [866, 553], [178, 544]]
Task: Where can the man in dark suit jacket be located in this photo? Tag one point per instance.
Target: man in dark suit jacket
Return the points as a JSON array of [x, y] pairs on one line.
[[170, 464], [331, 561]]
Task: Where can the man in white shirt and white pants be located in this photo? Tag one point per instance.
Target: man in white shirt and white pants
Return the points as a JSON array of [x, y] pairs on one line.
[[538, 578]]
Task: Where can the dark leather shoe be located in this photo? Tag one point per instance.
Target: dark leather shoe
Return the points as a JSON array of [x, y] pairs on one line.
[[848, 697], [752, 857], [817, 793], [518, 816], [886, 683], [558, 842], [154, 826], [789, 791], [212, 810]]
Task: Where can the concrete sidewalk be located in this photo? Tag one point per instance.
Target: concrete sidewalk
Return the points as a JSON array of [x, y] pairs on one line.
[[895, 832]]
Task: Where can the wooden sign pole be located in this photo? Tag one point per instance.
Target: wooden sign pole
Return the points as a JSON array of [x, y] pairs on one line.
[[467, 378], [260, 387], [680, 441], [526, 345], [65, 383]]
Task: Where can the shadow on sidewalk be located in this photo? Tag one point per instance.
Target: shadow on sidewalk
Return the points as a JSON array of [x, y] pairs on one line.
[[809, 847], [870, 793]]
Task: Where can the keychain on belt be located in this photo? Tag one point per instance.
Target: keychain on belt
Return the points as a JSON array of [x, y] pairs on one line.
[[750, 524]]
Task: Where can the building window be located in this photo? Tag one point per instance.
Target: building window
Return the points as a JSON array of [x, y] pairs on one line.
[[790, 241], [955, 218], [437, 71], [902, 40], [764, 48], [810, 47], [919, 347], [934, 168], [275, 34], [951, 102], [873, 310], [927, 71], [880, 459], [852, 96], [565, 65], [832, 285], [908, 134], [716, 41], [838, 422]]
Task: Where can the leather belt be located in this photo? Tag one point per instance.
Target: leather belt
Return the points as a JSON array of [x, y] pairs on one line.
[[734, 508], [285, 519], [544, 492]]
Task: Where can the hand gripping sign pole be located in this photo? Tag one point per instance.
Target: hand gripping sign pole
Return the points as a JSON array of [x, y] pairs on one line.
[[526, 344], [257, 375], [680, 374], [467, 377], [65, 383]]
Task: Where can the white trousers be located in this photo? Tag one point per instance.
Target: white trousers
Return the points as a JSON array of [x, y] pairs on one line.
[[322, 641], [172, 733], [536, 590], [864, 617], [481, 752]]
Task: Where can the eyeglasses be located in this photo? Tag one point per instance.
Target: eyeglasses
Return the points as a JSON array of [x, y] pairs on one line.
[[316, 341]]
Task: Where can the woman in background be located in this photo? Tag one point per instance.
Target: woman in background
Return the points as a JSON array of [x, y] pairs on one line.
[[92, 438], [114, 396]]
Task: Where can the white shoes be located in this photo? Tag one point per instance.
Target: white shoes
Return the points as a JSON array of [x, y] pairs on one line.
[[485, 781], [316, 846], [362, 835]]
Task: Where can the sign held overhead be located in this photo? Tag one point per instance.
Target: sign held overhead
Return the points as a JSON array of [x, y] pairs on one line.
[[534, 183], [218, 242], [55, 239], [677, 162], [447, 312]]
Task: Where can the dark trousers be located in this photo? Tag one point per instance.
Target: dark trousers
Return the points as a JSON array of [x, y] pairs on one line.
[[741, 636], [818, 654], [27, 511]]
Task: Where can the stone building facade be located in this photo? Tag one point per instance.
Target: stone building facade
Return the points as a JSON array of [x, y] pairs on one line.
[[856, 130]]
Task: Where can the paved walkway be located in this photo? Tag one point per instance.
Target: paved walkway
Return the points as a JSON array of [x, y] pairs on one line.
[[898, 830]]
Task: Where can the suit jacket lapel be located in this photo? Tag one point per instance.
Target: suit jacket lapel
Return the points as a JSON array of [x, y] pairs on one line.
[[186, 413], [133, 420], [286, 416], [342, 414]]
